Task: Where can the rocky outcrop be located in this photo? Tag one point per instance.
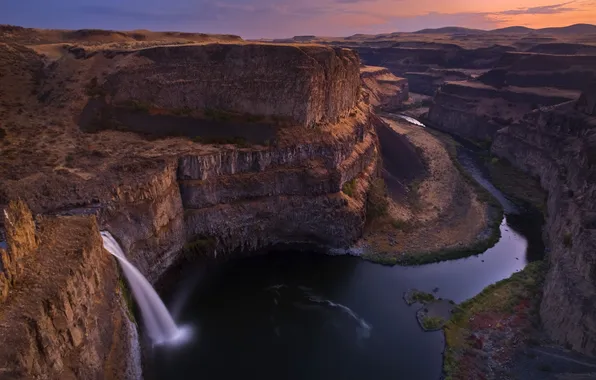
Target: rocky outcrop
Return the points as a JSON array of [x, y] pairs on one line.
[[428, 82], [477, 111], [248, 79], [543, 70], [558, 146], [64, 316], [20, 242], [386, 91]]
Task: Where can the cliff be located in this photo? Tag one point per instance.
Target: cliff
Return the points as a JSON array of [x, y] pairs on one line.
[[63, 316], [161, 194], [424, 62], [248, 79], [557, 145], [387, 92], [568, 71], [428, 82], [477, 111]]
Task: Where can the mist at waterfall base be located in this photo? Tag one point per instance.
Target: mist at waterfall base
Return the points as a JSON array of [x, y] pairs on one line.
[[158, 322]]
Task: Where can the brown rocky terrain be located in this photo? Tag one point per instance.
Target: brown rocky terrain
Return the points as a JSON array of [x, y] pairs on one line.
[[387, 92], [566, 71], [433, 211], [273, 133], [62, 314], [477, 111], [557, 145]]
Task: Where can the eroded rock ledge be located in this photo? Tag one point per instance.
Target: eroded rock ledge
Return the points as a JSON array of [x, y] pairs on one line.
[[477, 111], [558, 145]]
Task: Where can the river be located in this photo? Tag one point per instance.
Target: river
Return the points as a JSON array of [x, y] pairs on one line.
[[303, 315]]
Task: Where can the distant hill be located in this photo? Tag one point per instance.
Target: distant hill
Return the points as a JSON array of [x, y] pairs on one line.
[[571, 29], [450, 30], [512, 30]]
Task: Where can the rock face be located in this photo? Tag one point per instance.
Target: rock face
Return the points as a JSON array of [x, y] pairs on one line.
[[21, 241], [64, 317], [428, 82], [542, 70], [387, 92], [321, 85], [558, 146], [425, 66], [477, 111]]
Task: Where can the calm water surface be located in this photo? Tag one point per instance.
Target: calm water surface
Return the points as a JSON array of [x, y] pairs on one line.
[[301, 315]]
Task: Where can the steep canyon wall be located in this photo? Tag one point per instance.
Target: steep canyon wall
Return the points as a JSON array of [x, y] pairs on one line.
[[558, 145]]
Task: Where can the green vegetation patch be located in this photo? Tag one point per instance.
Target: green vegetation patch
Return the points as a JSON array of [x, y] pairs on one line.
[[199, 245], [377, 204], [498, 299], [567, 240], [239, 141], [414, 296], [126, 294], [402, 225], [432, 323], [136, 106], [349, 187]]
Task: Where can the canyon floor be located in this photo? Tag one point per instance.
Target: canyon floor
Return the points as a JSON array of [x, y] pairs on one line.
[[434, 216]]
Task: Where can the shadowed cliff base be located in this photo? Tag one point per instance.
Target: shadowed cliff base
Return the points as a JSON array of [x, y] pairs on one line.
[[432, 214]]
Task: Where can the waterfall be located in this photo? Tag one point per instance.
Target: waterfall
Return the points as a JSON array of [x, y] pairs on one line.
[[158, 321]]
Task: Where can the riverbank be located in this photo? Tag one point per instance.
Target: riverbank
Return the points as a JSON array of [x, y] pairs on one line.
[[484, 332], [497, 335], [443, 215]]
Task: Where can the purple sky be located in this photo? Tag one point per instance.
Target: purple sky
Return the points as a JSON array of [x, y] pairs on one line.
[[286, 18]]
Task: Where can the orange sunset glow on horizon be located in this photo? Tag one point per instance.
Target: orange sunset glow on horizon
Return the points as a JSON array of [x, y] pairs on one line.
[[279, 18]]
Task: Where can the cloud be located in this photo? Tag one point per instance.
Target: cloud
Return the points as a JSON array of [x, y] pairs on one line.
[[541, 10]]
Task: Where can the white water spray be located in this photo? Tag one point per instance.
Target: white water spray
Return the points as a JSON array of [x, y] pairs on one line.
[[158, 321]]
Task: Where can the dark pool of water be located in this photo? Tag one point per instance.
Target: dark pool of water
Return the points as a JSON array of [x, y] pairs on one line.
[[301, 315]]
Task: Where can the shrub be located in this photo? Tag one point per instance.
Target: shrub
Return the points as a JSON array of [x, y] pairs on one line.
[[432, 323], [93, 89], [567, 240], [401, 225], [349, 187], [377, 204], [422, 297]]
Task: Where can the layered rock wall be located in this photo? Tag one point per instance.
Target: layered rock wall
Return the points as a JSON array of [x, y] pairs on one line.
[[387, 92], [477, 111], [569, 71], [558, 146], [304, 84]]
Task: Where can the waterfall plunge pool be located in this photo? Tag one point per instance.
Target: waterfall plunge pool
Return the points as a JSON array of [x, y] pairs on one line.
[[303, 315]]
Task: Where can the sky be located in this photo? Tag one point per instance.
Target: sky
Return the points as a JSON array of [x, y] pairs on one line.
[[287, 18]]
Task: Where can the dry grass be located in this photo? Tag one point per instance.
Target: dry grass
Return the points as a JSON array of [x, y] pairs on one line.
[[441, 217]]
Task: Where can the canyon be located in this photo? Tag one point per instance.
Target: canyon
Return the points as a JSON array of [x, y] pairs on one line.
[[188, 146], [162, 198]]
